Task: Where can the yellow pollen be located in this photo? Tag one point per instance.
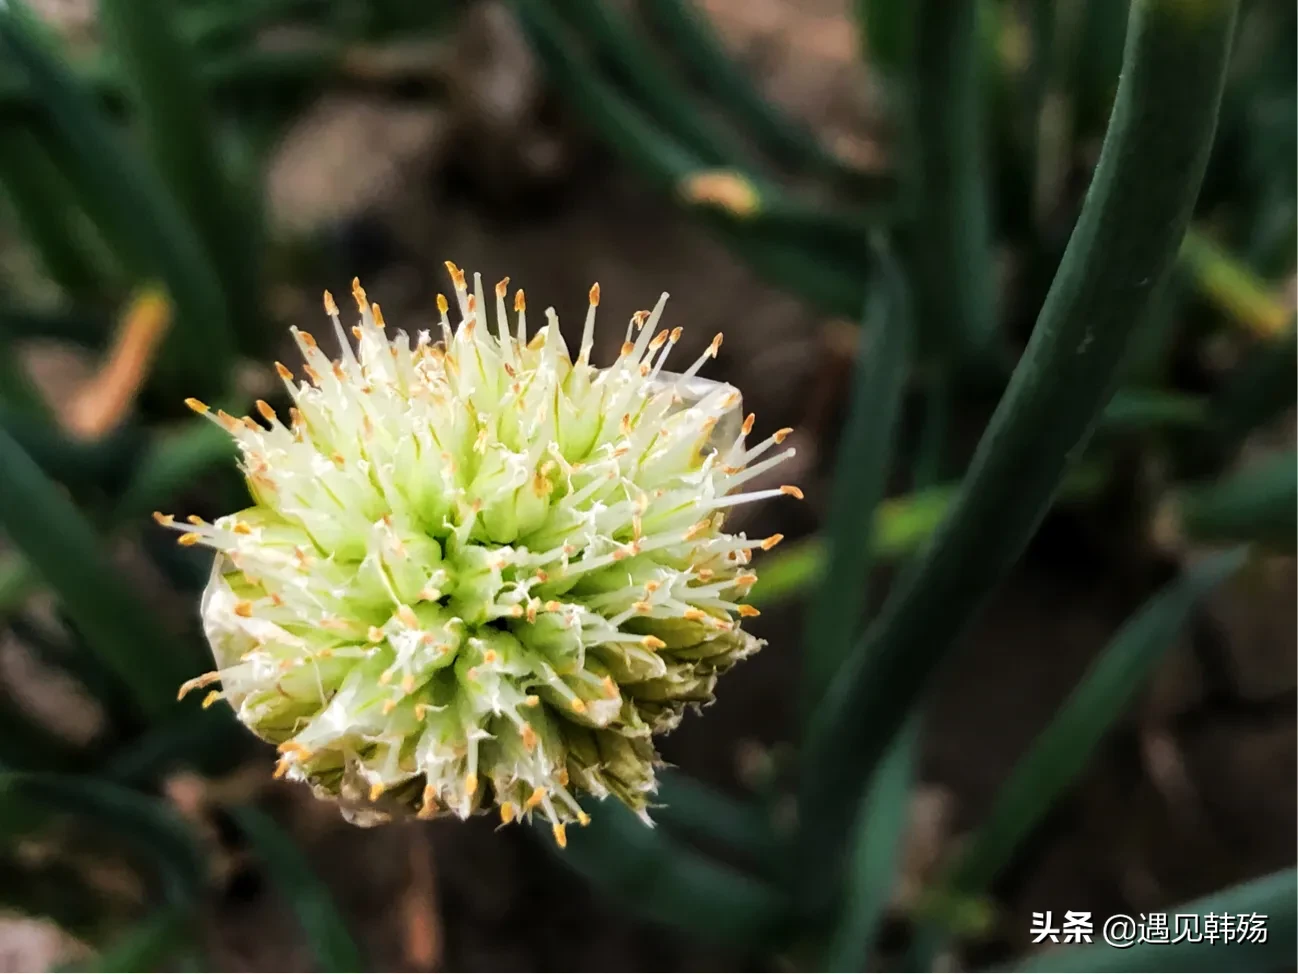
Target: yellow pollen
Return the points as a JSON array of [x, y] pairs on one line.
[[408, 683], [389, 706], [408, 617], [457, 275], [528, 735], [695, 615], [791, 491], [376, 791], [748, 611], [520, 302], [197, 405], [211, 698], [531, 700], [329, 306], [535, 798], [187, 539], [772, 541], [243, 609], [594, 295], [506, 812], [560, 835], [421, 711], [283, 371], [652, 642], [610, 688], [748, 423], [779, 435], [471, 783], [377, 312], [166, 520], [578, 705], [502, 287], [443, 305]]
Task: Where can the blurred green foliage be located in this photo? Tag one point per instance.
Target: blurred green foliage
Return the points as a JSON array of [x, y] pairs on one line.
[[120, 170]]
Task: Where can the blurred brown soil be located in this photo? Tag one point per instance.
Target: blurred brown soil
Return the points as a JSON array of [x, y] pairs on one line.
[[1197, 788]]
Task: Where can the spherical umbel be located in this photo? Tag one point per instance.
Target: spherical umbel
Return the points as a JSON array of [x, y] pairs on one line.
[[478, 572]]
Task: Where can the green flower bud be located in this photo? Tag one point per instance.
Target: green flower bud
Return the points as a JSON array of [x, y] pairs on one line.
[[478, 573]]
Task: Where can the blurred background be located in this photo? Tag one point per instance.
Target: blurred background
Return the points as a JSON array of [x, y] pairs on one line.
[[180, 180]]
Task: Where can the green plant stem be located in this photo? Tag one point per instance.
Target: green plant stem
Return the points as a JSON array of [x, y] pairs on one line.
[[951, 244], [46, 212], [687, 806], [1124, 244], [879, 833], [696, 42], [63, 548], [1060, 753], [143, 221], [860, 476], [651, 874], [325, 930], [1258, 503], [901, 527], [1243, 297], [170, 103], [668, 165], [653, 82]]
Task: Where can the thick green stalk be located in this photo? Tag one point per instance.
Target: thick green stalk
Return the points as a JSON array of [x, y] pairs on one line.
[[1124, 244], [955, 277]]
